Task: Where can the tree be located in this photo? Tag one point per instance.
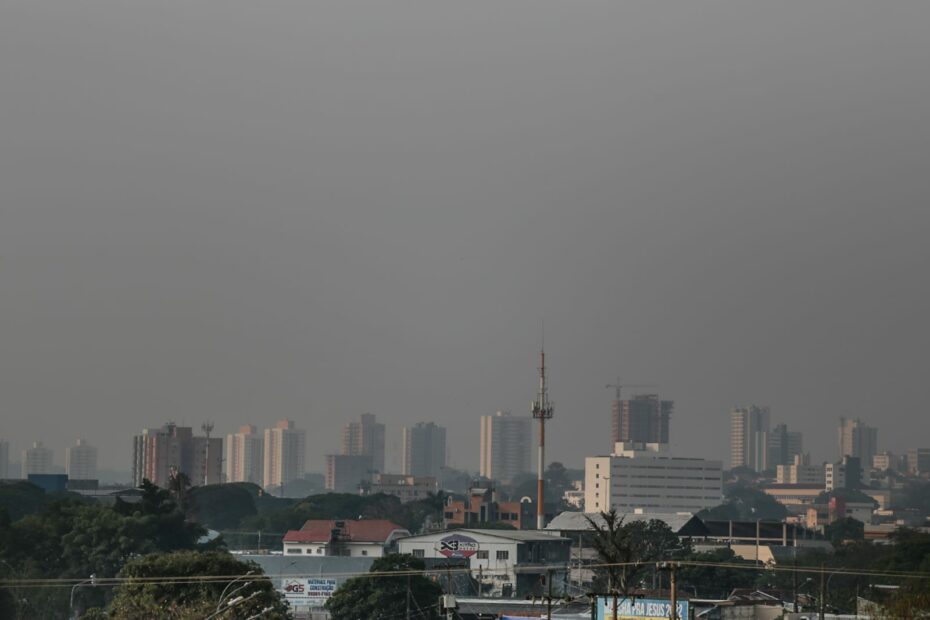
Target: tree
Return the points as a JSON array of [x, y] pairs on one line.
[[845, 529], [745, 503], [628, 551], [715, 581], [381, 595], [176, 586]]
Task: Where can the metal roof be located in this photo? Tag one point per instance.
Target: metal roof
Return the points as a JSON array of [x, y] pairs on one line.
[[577, 521]]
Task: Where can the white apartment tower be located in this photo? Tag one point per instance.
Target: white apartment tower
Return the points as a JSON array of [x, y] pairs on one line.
[[284, 454], [244, 449], [81, 461], [749, 427], [37, 460], [506, 446], [646, 478], [424, 448]]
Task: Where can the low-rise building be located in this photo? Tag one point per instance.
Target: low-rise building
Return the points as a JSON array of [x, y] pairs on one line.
[[800, 472], [790, 495], [574, 497], [506, 563], [407, 488], [480, 506], [359, 538]]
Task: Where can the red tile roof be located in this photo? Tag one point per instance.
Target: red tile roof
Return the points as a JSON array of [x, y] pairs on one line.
[[363, 530]]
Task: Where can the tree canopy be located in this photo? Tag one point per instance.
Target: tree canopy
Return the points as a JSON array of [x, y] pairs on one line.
[[382, 595]]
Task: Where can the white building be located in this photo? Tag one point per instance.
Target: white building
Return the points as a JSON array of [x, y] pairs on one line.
[[646, 478], [360, 538], [244, 455], [285, 450], [506, 446], [81, 461], [507, 563], [37, 460]]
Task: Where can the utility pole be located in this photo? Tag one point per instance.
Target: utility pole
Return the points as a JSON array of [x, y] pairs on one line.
[[673, 593], [542, 411], [407, 614], [823, 592], [549, 595], [207, 429]]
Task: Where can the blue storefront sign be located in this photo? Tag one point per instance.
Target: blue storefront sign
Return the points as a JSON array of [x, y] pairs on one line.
[[639, 609]]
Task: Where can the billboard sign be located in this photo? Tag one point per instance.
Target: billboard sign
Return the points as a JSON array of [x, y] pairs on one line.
[[458, 547], [638, 609], [308, 592]]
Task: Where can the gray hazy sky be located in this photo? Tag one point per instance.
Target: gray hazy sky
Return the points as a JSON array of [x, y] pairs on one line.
[[246, 211]]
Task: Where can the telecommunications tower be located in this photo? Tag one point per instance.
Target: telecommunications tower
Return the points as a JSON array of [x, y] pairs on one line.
[[542, 411]]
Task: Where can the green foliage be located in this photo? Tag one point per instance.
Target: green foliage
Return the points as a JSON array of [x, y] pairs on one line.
[[222, 506], [558, 479], [20, 498], [629, 550], [385, 596], [745, 503], [145, 596], [715, 581], [843, 530]]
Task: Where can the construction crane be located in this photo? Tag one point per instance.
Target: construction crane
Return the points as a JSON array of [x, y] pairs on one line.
[[617, 386]]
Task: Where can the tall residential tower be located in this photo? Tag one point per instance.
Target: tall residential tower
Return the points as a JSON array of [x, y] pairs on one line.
[[506, 445]]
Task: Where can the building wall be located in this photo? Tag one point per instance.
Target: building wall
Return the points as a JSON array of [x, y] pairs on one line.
[[354, 550], [918, 461], [651, 483], [37, 460], [643, 418], [81, 461], [245, 456], [284, 453], [424, 450], [4, 459], [345, 472], [506, 446], [858, 440], [365, 438], [748, 436]]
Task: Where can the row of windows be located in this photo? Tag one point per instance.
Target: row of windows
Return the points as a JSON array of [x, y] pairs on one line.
[[500, 554]]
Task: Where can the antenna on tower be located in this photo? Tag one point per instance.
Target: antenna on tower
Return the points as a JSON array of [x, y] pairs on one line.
[[542, 410], [207, 428]]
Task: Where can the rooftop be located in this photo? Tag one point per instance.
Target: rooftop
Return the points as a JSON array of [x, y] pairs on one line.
[[362, 530]]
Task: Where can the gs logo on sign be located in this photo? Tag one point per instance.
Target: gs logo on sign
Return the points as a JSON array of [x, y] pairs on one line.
[[293, 587], [458, 546]]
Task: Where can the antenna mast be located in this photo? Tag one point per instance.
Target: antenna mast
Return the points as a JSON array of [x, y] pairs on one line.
[[542, 411]]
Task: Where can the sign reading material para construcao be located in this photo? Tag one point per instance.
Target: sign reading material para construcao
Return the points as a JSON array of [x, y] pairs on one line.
[[308, 592], [639, 609]]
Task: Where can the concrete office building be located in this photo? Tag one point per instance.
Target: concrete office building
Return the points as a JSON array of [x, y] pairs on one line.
[[424, 449], [858, 440], [159, 452], [365, 438], [844, 474], [284, 453], [749, 427], [4, 459], [37, 460], [245, 455], [81, 461], [641, 419], [506, 446], [645, 477], [348, 473], [781, 447]]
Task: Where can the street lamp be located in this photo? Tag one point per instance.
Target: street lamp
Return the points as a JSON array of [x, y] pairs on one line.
[[228, 585], [92, 581], [233, 602]]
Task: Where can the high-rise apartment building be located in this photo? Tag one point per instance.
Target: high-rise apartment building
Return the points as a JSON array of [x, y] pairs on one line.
[[645, 477], [506, 446], [844, 474], [244, 455], [346, 473], [858, 439], [285, 450], [4, 459], [81, 461], [159, 452], [424, 449], [749, 427], [37, 460], [641, 419], [365, 438]]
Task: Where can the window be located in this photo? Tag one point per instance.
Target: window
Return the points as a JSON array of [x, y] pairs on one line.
[[292, 550], [319, 549], [364, 551], [418, 553], [503, 554], [483, 554]]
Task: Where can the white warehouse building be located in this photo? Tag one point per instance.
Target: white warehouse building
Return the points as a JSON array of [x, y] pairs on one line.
[[646, 478]]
